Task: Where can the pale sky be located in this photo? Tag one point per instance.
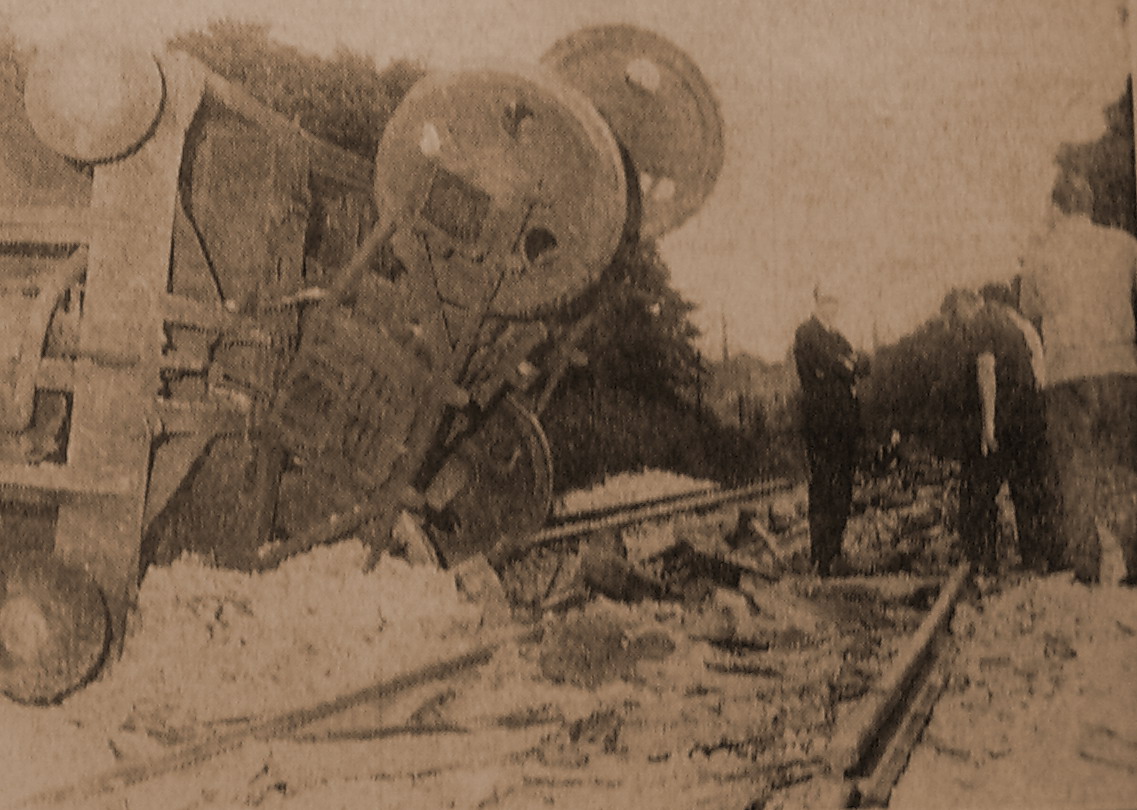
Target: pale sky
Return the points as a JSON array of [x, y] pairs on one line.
[[891, 147]]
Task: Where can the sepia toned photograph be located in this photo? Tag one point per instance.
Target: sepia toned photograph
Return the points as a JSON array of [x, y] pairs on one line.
[[616, 404]]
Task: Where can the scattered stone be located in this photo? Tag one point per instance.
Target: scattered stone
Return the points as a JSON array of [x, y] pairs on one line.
[[784, 512], [412, 542], [648, 541], [577, 742], [530, 716], [481, 585], [780, 603], [586, 651], [743, 668], [606, 572], [655, 645]]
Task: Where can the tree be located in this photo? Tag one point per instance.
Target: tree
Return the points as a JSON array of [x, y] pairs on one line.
[[644, 340], [636, 402], [1107, 165], [345, 100], [917, 387]]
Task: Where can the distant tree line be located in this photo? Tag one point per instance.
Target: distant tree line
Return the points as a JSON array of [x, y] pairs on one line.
[[916, 387]]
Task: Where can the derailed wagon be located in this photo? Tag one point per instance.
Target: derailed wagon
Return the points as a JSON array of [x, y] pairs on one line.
[[217, 325]]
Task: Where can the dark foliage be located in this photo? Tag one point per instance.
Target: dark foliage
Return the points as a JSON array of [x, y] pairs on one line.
[[598, 431], [643, 340], [344, 100], [917, 388], [1107, 164], [634, 405]]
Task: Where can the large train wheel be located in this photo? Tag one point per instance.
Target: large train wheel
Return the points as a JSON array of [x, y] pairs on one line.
[[54, 628], [506, 474], [504, 184], [661, 109]]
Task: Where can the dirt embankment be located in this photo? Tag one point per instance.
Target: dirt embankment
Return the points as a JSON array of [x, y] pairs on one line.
[[1041, 710], [208, 649]]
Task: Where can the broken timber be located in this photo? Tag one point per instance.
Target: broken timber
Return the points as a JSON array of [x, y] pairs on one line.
[[133, 773]]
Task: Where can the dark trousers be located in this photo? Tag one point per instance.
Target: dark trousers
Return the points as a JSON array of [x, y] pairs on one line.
[[1022, 461], [1093, 436], [832, 462]]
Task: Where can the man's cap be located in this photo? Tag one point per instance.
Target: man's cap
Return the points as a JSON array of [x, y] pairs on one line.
[[824, 289], [957, 296]]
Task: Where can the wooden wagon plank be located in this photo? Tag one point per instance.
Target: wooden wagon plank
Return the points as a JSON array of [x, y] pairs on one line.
[[121, 337], [62, 480], [57, 225]]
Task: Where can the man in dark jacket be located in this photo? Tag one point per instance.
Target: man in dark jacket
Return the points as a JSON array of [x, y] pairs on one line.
[[831, 426], [1004, 430]]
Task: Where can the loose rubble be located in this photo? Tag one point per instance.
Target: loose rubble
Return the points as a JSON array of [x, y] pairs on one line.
[[210, 648], [904, 520], [721, 691], [706, 702]]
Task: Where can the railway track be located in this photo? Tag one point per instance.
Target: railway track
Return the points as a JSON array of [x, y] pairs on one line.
[[864, 757], [616, 517], [559, 518], [534, 568], [870, 749], [872, 746]]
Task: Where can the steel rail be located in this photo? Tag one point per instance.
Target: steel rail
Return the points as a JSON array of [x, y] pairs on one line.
[[869, 750], [641, 511], [561, 518]]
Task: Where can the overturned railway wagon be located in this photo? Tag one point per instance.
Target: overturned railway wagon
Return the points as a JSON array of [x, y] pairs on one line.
[[149, 235], [221, 333]]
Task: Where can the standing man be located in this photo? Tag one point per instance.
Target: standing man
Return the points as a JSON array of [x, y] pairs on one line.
[[1079, 289], [831, 425], [1004, 431]]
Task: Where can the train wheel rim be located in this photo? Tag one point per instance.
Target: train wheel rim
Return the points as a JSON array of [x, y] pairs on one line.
[[506, 187], [92, 102], [54, 628], [661, 109], [23, 628], [510, 487]]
